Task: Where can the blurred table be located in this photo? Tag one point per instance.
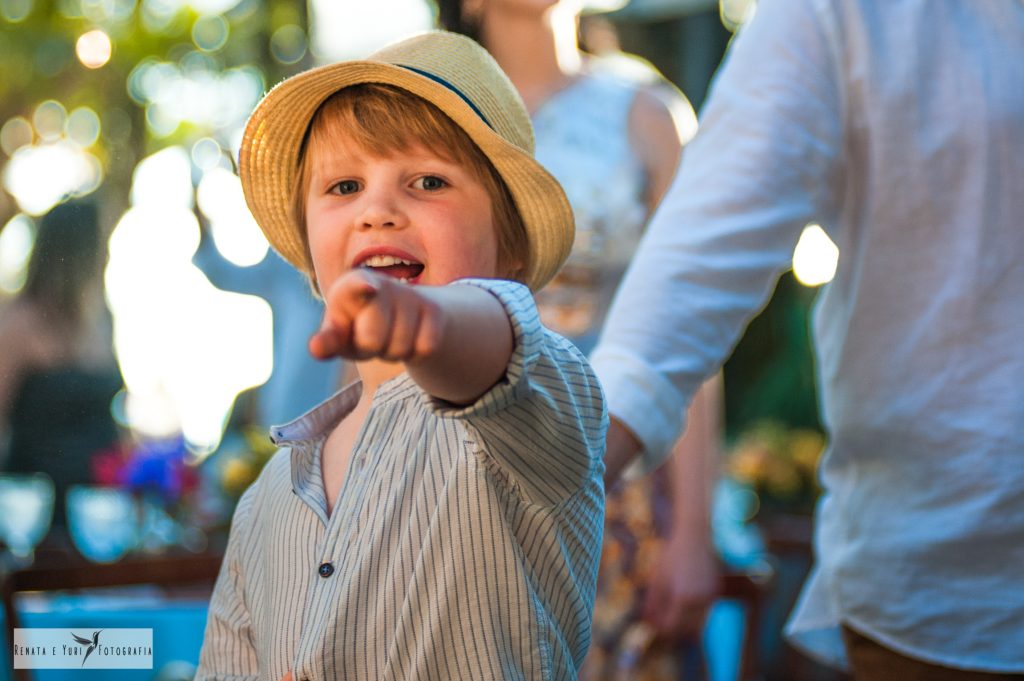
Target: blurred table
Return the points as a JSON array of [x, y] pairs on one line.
[[168, 593]]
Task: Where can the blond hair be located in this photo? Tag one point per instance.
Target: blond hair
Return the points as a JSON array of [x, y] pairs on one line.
[[383, 120]]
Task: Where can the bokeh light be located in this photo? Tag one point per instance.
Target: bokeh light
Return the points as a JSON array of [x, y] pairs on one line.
[[164, 179], [83, 127], [206, 153], [815, 257], [106, 11], [16, 241], [16, 133], [194, 92], [49, 119], [40, 176], [235, 232], [210, 33], [212, 6], [15, 10], [186, 349], [340, 35], [158, 16], [94, 49], [288, 44]]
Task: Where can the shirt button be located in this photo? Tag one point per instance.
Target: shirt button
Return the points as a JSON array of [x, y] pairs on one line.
[[326, 570]]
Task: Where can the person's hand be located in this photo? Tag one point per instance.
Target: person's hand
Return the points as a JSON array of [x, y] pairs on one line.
[[684, 583], [287, 676], [368, 316], [622, 446]]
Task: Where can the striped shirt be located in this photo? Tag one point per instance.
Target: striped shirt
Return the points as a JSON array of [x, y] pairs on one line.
[[463, 545]]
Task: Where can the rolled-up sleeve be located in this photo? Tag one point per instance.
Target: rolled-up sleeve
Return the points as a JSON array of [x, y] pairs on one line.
[[544, 423], [764, 164]]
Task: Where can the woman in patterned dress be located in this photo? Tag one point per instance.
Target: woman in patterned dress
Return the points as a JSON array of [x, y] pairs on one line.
[[611, 129]]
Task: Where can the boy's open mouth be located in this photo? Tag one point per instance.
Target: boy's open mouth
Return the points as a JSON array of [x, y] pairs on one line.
[[399, 268]]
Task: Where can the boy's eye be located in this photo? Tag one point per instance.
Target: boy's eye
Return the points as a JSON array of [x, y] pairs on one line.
[[345, 187], [430, 183]]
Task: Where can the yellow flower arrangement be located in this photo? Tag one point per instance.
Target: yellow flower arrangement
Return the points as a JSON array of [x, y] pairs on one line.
[[779, 464], [244, 464]]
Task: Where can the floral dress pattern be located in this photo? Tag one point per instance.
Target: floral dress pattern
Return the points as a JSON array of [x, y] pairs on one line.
[[582, 138]]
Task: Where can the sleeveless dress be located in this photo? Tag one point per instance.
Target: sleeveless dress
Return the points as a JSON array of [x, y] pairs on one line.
[[582, 139], [582, 136]]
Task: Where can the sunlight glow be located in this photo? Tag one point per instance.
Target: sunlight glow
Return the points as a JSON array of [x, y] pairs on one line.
[[194, 93], [164, 179], [94, 49], [186, 349], [235, 232], [815, 257], [40, 176], [209, 7], [341, 33]]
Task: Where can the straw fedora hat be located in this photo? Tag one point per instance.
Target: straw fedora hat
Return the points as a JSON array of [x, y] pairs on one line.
[[457, 76]]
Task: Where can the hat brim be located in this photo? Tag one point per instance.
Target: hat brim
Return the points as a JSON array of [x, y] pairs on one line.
[[269, 157]]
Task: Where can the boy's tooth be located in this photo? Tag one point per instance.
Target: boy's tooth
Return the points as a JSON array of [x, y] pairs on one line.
[[384, 261]]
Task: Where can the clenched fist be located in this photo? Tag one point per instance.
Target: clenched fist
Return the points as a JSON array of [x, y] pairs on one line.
[[373, 316]]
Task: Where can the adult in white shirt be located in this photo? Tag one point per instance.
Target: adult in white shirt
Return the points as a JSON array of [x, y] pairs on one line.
[[898, 125]]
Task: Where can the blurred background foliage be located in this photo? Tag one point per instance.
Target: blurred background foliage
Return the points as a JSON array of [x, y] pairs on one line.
[[44, 51], [91, 88]]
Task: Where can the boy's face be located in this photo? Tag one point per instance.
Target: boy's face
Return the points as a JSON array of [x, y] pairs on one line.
[[412, 215]]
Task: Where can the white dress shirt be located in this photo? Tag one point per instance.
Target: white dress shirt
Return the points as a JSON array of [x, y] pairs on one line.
[[898, 125]]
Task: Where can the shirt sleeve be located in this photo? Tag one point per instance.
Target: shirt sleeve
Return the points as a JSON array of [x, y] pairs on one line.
[[229, 649], [544, 423], [765, 163]]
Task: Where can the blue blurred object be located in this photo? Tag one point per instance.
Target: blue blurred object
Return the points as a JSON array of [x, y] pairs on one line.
[[178, 628], [26, 510], [103, 522]]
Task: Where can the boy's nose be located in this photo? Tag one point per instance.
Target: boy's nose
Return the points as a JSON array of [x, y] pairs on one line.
[[381, 211]]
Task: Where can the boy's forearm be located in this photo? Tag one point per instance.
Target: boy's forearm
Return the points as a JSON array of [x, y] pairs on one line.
[[476, 342]]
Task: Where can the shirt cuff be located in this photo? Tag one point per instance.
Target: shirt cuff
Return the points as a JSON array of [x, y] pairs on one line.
[[518, 303], [647, 403]]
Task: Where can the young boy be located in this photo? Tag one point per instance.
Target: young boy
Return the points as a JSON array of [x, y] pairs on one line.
[[440, 519]]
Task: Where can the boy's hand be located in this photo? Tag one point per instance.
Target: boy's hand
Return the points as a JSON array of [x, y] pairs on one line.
[[373, 316]]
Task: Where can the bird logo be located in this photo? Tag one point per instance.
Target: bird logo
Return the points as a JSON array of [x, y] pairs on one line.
[[86, 642]]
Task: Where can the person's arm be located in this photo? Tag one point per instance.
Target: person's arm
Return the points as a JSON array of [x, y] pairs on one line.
[[661, 121], [686, 578], [765, 163], [253, 280], [455, 341], [621, 447]]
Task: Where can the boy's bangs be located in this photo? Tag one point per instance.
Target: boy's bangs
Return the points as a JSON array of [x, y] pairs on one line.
[[384, 120]]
